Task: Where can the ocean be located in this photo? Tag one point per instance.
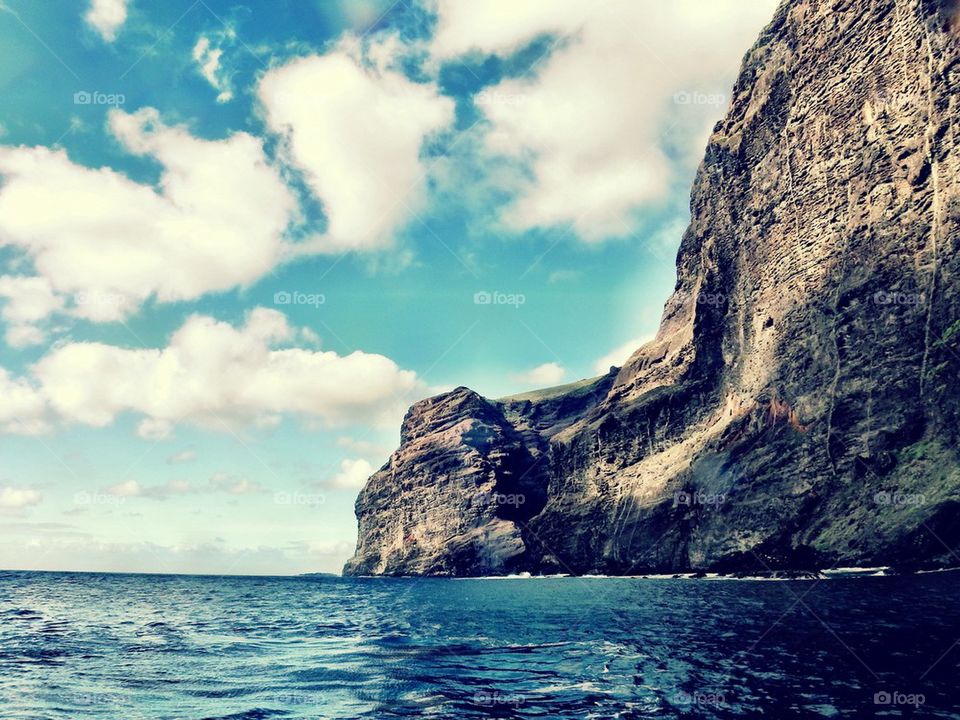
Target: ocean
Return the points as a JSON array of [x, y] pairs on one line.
[[77, 645]]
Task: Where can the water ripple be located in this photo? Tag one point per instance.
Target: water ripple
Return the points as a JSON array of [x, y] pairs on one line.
[[76, 646]]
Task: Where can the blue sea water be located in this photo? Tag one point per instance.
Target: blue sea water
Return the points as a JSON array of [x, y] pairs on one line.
[[139, 646]]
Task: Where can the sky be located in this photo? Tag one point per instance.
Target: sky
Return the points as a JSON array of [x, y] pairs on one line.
[[238, 240]]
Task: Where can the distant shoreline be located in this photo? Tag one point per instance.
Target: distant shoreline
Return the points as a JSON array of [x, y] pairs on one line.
[[829, 574], [842, 573]]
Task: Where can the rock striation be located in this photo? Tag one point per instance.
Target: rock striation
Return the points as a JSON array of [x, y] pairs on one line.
[[800, 405]]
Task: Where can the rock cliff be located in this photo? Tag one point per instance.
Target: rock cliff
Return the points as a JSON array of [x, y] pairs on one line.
[[799, 406]]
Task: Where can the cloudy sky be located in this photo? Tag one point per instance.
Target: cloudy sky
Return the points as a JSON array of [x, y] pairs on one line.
[[237, 240]]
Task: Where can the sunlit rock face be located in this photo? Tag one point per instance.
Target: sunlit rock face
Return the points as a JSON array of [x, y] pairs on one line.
[[799, 405]]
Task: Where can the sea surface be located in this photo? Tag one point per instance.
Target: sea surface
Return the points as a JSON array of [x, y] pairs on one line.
[[140, 646]]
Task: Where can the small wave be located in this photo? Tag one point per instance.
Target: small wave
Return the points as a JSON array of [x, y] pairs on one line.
[[253, 714], [22, 614]]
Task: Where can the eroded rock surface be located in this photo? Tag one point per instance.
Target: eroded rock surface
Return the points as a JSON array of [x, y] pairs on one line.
[[800, 403]]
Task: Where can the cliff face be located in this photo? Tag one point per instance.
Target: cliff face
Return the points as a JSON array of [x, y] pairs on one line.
[[800, 403]]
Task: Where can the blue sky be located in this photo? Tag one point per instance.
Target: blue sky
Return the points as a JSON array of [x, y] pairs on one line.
[[239, 239]]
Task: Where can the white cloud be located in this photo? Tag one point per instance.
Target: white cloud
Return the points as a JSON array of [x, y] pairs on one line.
[[184, 456], [208, 59], [542, 375], [20, 336], [592, 120], [12, 498], [23, 409], [106, 17], [224, 482], [355, 128], [221, 482], [353, 474], [499, 26], [28, 300], [219, 376], [216, 221], [619, 355], [562, 276], [365, 447], [155, 429], [129, 488]]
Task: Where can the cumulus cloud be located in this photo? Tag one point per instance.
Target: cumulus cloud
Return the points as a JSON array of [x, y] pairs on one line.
[[28, 300], [219, 483], [355, 127], [225, 482], [12, 498], [23, 408], [129, 488], [106, 17], [155, 429], [215, 375], [546, 374], [184, 456], [108, 243], [590, 121], [20, 336], [365, 447], [207, 55], [353, 474], [619, 355]]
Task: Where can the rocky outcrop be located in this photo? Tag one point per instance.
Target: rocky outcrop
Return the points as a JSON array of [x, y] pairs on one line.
[[800, 403], [470, 474]]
